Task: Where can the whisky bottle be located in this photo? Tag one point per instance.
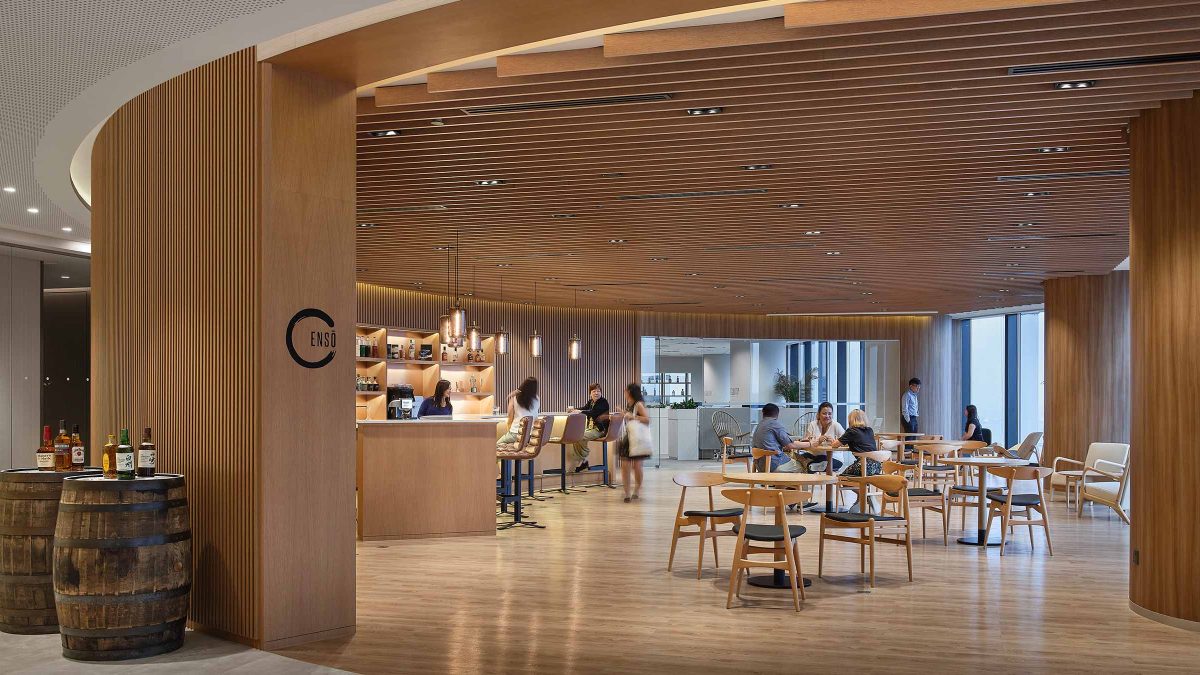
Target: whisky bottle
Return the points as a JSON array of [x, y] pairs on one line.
[[78, 451], [443, 352], [45, 452], [470, 356], [412, 351], [62, 448], [147, 457], [125, 470], [110, 457]]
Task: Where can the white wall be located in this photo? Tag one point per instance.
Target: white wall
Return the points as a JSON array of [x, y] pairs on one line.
[[716, 379], [881, 362], [741, 372], [692, 365], [20, 359], [772, 356]]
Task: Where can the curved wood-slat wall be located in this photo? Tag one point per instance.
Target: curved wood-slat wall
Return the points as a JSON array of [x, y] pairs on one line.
[[1087, 364], [175, 281], [1166, 375]]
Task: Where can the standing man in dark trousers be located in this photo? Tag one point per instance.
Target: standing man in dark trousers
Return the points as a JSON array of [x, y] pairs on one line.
[[909, 413]]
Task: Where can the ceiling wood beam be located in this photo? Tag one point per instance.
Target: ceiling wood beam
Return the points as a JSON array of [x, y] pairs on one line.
[[828, 12], [690, 38]]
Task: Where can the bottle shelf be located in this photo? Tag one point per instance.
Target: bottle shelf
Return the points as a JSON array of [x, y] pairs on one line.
[[468, 364], [368, 359], [470, 394], [369, 393], [411, 362]]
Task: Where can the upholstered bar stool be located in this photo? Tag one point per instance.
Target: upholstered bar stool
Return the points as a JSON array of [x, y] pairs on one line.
[[529, 443], [615, 426], [568, 429]]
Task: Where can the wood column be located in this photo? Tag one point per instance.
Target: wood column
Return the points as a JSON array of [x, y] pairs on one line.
[[224, 204], [1165, 289], [1087, 363]]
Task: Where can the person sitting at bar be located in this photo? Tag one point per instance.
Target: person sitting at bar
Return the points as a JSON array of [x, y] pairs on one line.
[[859, 438], [770, 435], [972, 430], [439, 403], [596, 411], [824, 430], [522, 402]]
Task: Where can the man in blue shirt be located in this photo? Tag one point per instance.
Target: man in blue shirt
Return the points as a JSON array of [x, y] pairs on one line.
[[908, 407], [770, 435]]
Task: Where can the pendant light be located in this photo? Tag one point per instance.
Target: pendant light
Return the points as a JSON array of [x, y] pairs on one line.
[[458, 315], [474, 335], [575, 345], [535, 340], [445, 331], [501, 335]]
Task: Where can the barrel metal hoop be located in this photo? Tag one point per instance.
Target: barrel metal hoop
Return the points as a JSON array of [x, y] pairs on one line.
[[137, 542], [122, 508], [122, 654], [132, 631], [132, 598], [158, 484]]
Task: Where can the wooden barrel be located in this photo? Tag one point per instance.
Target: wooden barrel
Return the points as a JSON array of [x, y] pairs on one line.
[[28, 510], [122, 567]]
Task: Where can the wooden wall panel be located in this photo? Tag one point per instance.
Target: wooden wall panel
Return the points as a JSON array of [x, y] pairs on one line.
[[1165, 286], [175, 279], [307, 244], [1087, 363]]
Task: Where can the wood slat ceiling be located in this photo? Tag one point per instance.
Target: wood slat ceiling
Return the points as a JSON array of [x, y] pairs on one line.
[[907, 143]]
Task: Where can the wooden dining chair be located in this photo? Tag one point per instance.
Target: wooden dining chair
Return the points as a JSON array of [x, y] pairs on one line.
[[1018, 509], [891, 525], [932, 472], [765, 455], [781, 536], [851, 483], [926, 499], [706, 520], [728, 456]]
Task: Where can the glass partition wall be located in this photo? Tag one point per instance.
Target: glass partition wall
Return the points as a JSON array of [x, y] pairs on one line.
[[709, 375]]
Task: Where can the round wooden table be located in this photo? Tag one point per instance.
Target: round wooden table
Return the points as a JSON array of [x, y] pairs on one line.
[[779, 578], [982, 463]]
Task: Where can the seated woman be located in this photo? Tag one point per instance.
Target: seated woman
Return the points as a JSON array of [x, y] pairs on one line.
[[596, 411], [439, 403], [972, 430], [859, 438], [824, 430], [522, 402]]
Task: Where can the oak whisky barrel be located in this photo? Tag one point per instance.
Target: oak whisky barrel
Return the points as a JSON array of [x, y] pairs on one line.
[[28, 510], [122, 567]]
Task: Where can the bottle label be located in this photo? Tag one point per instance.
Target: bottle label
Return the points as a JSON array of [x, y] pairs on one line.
[[62, 449], [124, 461], [45, 460], [77, 455], [147, 458]]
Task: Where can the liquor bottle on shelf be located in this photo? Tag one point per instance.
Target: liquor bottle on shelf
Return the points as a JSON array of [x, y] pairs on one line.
[[444, 355], [78, 451], [125, 463], [470, 356], [110, 457], [374, 348], [45, 451], [62, 448], [147, 457], [412, 351]]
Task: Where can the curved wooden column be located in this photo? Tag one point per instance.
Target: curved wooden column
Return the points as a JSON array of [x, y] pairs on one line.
[[1165, 244], [1087, 363]]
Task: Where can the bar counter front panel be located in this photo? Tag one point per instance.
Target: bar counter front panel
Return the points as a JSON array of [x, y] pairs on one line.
[[421, 479]]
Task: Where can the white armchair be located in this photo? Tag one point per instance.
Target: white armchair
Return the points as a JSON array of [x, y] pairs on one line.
[[1109, 490], [1069, 473]]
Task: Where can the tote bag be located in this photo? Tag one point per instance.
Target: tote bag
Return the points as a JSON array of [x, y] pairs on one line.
[[637, 435]]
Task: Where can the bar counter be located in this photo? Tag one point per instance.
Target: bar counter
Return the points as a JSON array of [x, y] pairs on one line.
[[427, 478]]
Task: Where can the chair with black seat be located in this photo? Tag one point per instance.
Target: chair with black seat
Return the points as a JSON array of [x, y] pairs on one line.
[[616, 424], [728, 456], [568, 430], [781, 536], [724, 424], [933, 472], [1007, 504], [852, 483], [706, 520], [926, 499], [889, 525], [530, 440], [962, 491]]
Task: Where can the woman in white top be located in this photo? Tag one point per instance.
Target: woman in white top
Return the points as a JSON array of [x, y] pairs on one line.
[[523, 402], [824, 430]]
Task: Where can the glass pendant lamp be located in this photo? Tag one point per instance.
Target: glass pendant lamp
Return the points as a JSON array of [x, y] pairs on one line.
[[574, 347], [535, 345]]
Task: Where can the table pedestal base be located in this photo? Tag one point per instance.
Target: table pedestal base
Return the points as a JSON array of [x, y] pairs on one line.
[[974, 539], [775, 580]]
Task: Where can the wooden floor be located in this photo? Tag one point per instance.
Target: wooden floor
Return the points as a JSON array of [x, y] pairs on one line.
[[591, 594]]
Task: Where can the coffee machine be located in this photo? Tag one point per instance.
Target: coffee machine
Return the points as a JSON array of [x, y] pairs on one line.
[[400, 402]]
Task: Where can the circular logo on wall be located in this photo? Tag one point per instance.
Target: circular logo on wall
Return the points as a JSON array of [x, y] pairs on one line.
[[311, 339]]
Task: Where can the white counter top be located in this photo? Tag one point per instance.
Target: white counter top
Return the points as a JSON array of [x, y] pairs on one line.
[[438, 420]]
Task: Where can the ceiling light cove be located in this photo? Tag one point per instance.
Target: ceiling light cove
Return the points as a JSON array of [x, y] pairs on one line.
[[9, 189], [490, 182], [66, 229], [384, 133], [713, 110], [1077, 84], [33, 209]]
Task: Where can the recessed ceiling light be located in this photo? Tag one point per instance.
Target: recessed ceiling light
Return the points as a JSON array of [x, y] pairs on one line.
[[693, 274], [614, 174], [1054, 148], [833, 252], [589, 290], [439, 122], [9, 189], [793, 205], [504, 265], [712, 110], [385, 132], [1026, 224], [757, 167], [1012, 264], [1003, 290], [490, 182], [441, 248], [867, 293], [418, 283], [1035, 194], [564, 215], [1077, 84], [360, 269], [32, 209], [739, 296], [847, 269], [719, 286], [812, 233], [467, 294], [64, 277], [1022, 247], [658, 259], [616, 241], [549, 278], [365, 225], [66, 229]]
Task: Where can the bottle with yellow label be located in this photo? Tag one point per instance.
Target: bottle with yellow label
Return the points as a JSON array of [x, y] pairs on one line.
[[110, 457]]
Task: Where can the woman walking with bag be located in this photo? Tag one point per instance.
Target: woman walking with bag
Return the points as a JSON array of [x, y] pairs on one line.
[[635, 445]]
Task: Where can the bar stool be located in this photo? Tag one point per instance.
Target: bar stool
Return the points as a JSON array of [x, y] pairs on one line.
[[567, 429], [615, 426], [531, 436]]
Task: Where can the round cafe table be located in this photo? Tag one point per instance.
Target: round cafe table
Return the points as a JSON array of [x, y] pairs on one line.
[[982, 464], [779, 578]]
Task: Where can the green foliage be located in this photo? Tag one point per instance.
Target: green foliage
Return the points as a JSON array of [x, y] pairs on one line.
[[686, 404], [793, 390]]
